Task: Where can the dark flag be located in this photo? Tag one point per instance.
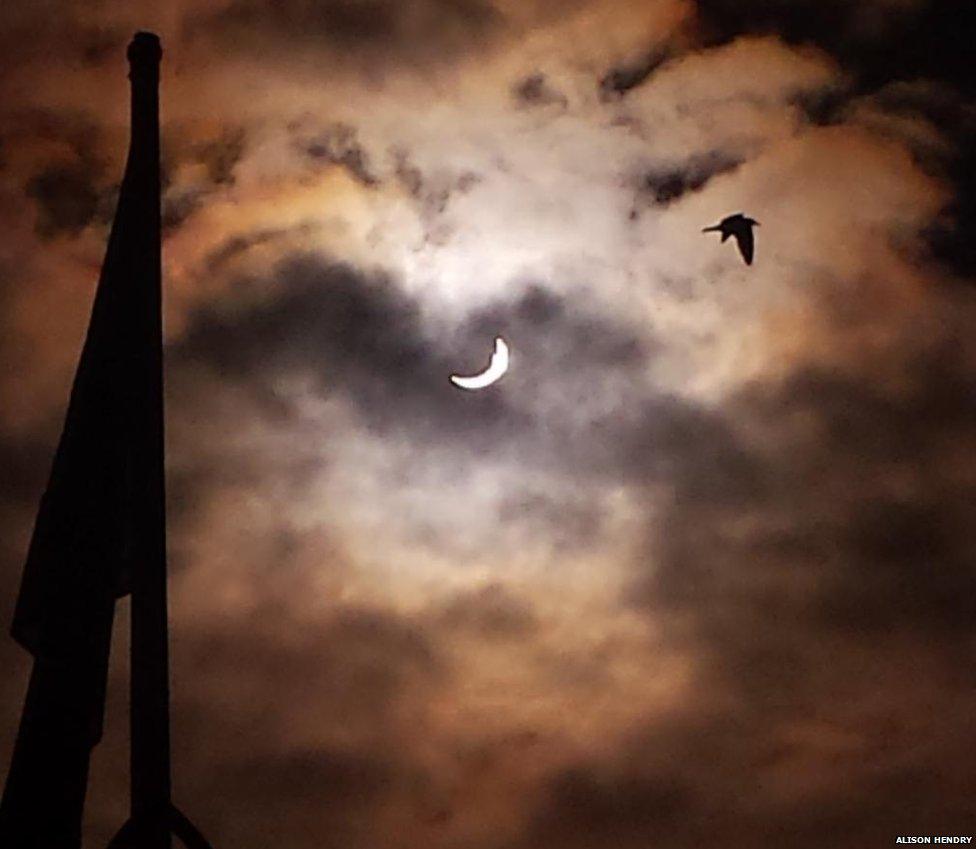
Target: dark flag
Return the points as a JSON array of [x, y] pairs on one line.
[[100, 533], [99, 514]]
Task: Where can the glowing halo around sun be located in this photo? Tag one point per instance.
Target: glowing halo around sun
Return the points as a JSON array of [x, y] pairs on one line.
[[496, 368]]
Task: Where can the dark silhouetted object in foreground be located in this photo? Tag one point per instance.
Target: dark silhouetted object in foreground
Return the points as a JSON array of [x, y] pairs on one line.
[[741, 227], [100, 534]]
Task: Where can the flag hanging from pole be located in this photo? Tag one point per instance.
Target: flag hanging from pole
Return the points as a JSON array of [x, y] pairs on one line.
[[102, 514]]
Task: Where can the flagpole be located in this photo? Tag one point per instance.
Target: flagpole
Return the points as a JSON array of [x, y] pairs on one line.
[[153, 818], [149, 663], [100, 534]]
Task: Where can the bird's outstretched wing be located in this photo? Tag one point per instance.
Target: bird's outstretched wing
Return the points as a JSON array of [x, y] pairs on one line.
[[746, 242]]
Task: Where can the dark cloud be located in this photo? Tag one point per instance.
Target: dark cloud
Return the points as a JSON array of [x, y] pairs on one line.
[[749, 780], [177, 207], [813, 561], [350, 332], [539, 319], [24, 461], [950, 236], [338, 145], [62, 31], [70, 183], [358, 335], [828, 517], [66, 197], [328, 779], [571, 522], [74, 130], [212, 465], [236, 246], [671, 437], [534, 90], [816, 528], [877, 41], [844, 29], [432, 193], [357, 662], [221, 155], [68, 188], [618, 81], [218, 154], [808, 560], [666, 184], [878, 44], [824, 106], [287, 727], [429, 30], [490, 612], [101, 44], [411, 178], [585, 805], [939, 105], [575, 374]]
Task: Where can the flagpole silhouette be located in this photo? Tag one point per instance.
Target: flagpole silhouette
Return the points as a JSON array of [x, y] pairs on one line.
[[100, 534]]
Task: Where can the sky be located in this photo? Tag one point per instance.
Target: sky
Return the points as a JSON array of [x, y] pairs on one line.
[[697, 571]]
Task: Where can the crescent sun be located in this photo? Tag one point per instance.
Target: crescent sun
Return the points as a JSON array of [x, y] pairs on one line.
[[496, 368]]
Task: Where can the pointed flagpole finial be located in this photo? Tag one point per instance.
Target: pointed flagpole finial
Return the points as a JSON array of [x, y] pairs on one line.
[[144, 53]]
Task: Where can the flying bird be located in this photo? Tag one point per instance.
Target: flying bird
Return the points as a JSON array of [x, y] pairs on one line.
[[741, 227]]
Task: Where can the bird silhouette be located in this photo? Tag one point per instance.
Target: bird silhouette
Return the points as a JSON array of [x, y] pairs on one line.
[[741, 227]]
